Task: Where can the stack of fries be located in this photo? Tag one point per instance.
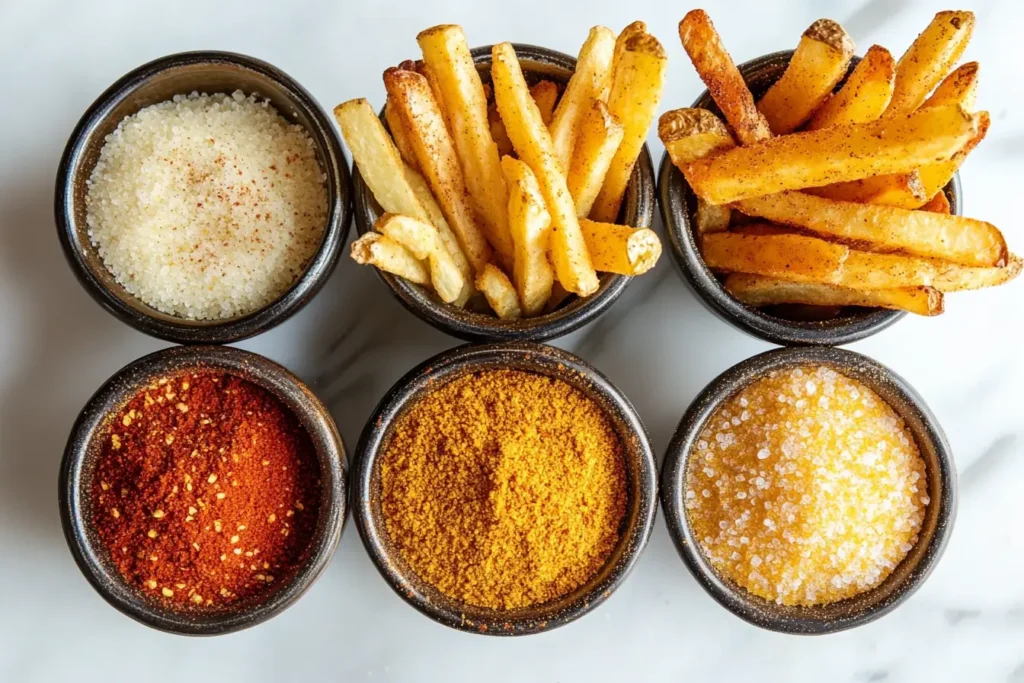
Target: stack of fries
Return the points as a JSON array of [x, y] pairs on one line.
[[836, 199], [503, 188]]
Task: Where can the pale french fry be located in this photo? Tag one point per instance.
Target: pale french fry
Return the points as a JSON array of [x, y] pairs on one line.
[[959, 87], [711, 217], [864, 96], [435, 152], [432, 214], [446, 54], [530, 225], [377, 250], [423, 242], [938, 204], [818, 64], [759, 290], [600, 135], [793, 257], [690, 134], [533, 144], [954, 238], [929, 59], [588, 82], [637, 83], [719, 73], [903, 190], [865, 270], [401, 136], [620, 248], [500, 293], [637, 28], [545, 94], [833, 154]]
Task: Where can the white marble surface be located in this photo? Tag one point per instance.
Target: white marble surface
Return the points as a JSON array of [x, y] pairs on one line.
[[658, 344]]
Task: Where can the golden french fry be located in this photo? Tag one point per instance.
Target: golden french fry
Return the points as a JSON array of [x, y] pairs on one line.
[[818, 64], [633, 101], [865, 270], [530, 225], [793, 257], [533, 143], [400, 135], [545, 94], [436, 155], [719, 73], [936, 176], [620, 248], [938, 204], [423, 242], [588, 82], [954, 238], [446, 54], [864, 96], [600, 135], [903, 190], [833, 154], [959, 87], [427, 71], [711, 217], [759, 290], [432, 214], [377, 250], [929, 59], [690, 134], [500, 293]]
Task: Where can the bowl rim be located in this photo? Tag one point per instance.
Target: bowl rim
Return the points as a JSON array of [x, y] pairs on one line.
[[136, 313], [673, 191], [765, 614], [73, 482], [453, 363], [482, 327]]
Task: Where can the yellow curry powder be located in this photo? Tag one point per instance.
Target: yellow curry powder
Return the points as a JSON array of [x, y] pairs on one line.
[[504, 488]]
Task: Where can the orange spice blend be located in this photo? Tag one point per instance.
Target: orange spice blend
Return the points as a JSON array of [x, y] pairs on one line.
[[207, 490]]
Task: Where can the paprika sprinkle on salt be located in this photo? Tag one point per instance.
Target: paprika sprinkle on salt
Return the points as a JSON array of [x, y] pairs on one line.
[[206, 490]]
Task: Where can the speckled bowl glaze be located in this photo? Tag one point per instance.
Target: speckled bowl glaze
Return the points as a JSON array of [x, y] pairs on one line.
[[908, 575], [538, 358], [82, 452], [678, 209], [160, 80], [637, 210]]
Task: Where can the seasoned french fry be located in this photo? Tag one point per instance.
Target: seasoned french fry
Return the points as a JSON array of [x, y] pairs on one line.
[[864, 270], [589, 80], [377, 250], [959, 87], [533, 143], [864, 96], [530, 225], [903, 190], [711, 217], [833, 154], [818, 64], [637, 28], [427, 71], [633, 101], [435, 152], [423, 242], [600, 135], [759, 290], [500, 293], [936, 176], [794, 257], [545, 94], [719, 73], [938, 204], [690, 134], [432, 214], [620, 248], [929, 59], [400, 135]]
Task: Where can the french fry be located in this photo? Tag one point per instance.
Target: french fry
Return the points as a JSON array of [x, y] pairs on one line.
[[637, 28], [690, 134], [534, 145], [400, 136], [954, 238], [620, 248], [794, 257], [377, 250], [588, 81], [936, 176], [929, 59], [435, 152], [427, 71], [865, 270], [818, 64], [758, 290], [599, 137], [719, 73], [938, 204], [423, 242], [864, 96], [500, 293], [903, 190], [711, 217], [545, 94], [530, 225], [833, 154], [432, 214], [633, 101], [446, 54], [959, 87]]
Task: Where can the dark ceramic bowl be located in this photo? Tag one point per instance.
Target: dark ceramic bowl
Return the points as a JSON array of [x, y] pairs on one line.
[[908, 575], [637, 211], [78, 468], [538, 358], [160, 80], [678, 209]]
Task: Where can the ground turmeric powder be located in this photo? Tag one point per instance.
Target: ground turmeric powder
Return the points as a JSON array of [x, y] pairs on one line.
[[504, 488]]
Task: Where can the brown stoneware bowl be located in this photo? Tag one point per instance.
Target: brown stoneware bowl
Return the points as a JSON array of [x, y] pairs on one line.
[[160, 80], [574, 312], [908, 575], [79, 464], [537, 358], [776, 325]]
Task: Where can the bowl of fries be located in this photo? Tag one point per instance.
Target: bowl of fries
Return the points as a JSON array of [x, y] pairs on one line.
[[812, 197], [506, 192]]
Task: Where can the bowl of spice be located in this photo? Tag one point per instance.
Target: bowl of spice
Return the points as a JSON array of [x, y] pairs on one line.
[[504, 489], [809, 490], [203, 198], [202, 489]]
